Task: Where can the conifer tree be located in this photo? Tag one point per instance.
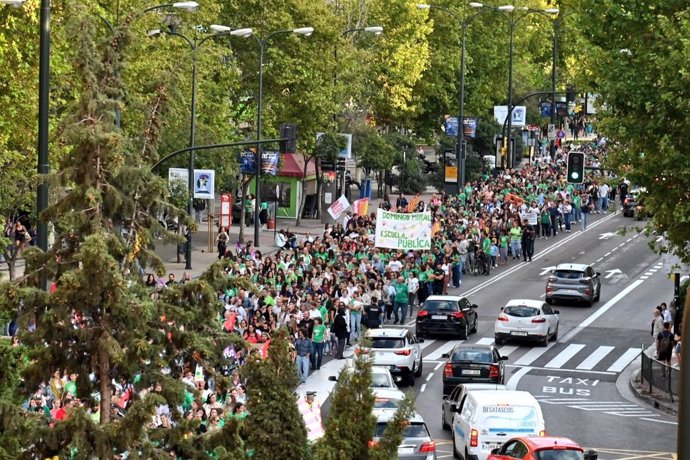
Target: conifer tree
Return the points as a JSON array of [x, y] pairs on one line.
[[101, 322], [351, 423], [275, 426]]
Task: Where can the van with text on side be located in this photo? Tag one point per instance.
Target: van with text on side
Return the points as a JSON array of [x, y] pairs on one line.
[[486, 419]]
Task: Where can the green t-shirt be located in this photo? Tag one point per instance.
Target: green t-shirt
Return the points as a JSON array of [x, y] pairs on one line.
[[71, 388], [486, 246], [319, 334], [401, 292], [515, 234], [503, 241]]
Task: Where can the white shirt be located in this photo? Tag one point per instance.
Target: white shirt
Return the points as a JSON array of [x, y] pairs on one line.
[[603, 191], [412, 285]]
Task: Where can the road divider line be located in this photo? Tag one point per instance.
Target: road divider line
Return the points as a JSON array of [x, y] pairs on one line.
[[421, 390], [597, 314], [515, 378], [428, 377], [438, 365]]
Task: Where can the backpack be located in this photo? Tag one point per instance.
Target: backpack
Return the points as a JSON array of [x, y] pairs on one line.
[[666, 343]]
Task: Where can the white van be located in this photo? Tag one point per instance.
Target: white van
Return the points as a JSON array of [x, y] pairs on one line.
[[486, 419]]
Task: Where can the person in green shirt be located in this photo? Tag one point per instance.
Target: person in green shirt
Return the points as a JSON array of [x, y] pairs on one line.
[[318, 337], [516, 240], [503, 249], [401, 300]]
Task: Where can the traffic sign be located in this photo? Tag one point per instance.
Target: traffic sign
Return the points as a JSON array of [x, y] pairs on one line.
[[552, 132], [561, 134]]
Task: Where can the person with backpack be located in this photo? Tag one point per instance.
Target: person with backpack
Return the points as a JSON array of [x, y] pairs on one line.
[[664, 344]]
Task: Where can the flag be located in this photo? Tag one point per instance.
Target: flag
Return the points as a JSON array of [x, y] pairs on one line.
[[412, 206], [361, 206]]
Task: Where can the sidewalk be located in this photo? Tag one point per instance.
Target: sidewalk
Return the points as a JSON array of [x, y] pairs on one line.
[[656, 398]]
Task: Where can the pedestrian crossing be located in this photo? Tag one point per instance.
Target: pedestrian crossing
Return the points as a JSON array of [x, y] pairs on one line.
[[572, 356]]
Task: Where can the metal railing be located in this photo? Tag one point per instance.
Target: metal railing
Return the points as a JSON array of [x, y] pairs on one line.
[[659, 376]]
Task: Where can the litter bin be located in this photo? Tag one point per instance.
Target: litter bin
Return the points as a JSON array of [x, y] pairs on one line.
[[271, 224]]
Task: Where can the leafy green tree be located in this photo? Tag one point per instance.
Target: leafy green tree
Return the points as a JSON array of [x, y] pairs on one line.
[[639, 67], [123, 331], [276, 427], [351, 423], [327, 147], [374, 154]]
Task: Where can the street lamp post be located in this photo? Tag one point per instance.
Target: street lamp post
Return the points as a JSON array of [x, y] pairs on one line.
[[513, 20], [554, 69], [263, 43], [460, 147], [194, 45]]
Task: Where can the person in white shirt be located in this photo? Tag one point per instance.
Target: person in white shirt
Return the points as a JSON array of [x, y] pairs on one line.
[[395, 265], [604, 197], [412, 288]]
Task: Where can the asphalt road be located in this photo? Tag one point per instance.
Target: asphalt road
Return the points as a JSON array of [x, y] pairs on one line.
[[576, 377]]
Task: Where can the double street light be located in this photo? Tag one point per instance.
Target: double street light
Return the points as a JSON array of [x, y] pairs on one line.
[[194, 46], [460, 147]]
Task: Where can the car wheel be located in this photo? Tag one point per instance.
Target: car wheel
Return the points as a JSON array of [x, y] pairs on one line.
[[590, 302], [596, 299], [545, 341], [456, 454], [498, 340], [465, 333], [444, 425], [419, 370], [410, 378], [474, 327], [554, 337], [549, 301]]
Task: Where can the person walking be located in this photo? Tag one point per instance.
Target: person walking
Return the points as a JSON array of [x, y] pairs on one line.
[[303, 350], [222, 242], [585, 209], [515, 240], [528, 235], [401, 301], [664, 345], [339, 328], [604, 197]]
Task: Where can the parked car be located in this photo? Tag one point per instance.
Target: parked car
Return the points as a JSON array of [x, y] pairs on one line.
[[417, 443], [542, 448], [457, 397], [397, 350], [448, 315], [486, 416], [473, 363], [578, 282], [524, 319]]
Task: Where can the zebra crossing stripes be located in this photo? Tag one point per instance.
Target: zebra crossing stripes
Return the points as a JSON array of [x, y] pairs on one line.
[[507, 350], [445, 348], [593, 359], [531, 356], [617, 408], [625, 359], [564, 356], [485, 341]]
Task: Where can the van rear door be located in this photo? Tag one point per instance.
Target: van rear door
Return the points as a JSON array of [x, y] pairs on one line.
[[498, 423]]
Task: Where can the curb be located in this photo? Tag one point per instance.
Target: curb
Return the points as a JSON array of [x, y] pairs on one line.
[[653, 399]]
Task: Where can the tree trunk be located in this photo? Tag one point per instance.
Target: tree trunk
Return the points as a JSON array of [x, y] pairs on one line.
[[106, 394]]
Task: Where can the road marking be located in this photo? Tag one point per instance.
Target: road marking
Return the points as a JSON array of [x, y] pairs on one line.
[[607, 254], [660, 421], [421, 390], [532, 355], [564, 356], [445, 348], [438, 365], [426, 343], [543, 294], [485, 341], [595, 316], [553, 369], [625, 359], [644, 277], [515, 378], [428, 377], [593, 359], [507, 350]]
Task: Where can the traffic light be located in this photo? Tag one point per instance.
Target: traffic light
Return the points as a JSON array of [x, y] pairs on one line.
[[289, 133], [340, 165], [576, 167]]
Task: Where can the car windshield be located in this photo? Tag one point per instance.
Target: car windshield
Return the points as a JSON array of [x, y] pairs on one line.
[[386, 342], [413, 430], [386, 403], [568, 274], [380, 381], [558, 454], [433, 306], [474, 356], [521, 311]]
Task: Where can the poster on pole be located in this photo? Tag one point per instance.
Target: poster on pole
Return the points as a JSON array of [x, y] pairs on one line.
[[403, 231], [269, 163], [338, 207], [204, 183], [519, 115], [530, 217], [178, 176]]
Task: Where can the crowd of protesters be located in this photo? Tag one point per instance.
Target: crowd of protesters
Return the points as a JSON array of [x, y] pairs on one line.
[[324, 288]]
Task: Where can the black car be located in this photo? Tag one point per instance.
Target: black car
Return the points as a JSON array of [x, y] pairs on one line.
[[631, 201], [473, 363], [447, 315]]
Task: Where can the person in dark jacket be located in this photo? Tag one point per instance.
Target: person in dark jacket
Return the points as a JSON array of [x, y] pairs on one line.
[[339, 328]]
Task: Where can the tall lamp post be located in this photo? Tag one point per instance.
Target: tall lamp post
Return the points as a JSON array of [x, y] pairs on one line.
[[460, 147], [194, 46], [263, 43], [513, 19], [376, 30]]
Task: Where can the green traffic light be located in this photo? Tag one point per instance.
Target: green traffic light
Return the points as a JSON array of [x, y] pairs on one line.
[[574, 175]]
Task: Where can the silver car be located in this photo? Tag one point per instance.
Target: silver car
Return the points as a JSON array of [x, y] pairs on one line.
[[578, 282], [417, 443]]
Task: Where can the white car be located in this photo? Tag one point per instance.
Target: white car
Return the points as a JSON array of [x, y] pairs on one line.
[[398, 350], [381, 378], [524, 319]]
